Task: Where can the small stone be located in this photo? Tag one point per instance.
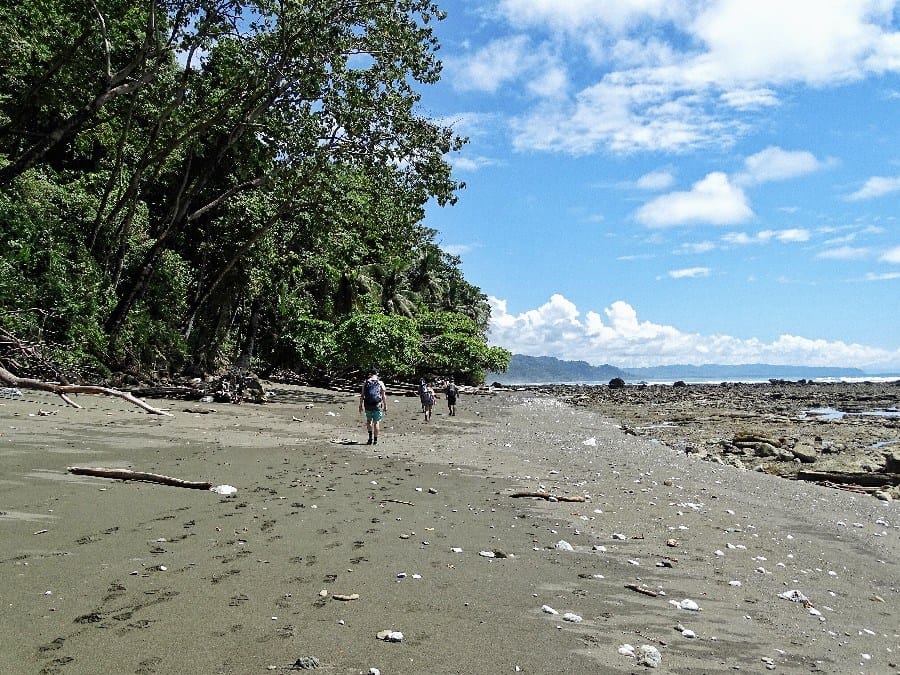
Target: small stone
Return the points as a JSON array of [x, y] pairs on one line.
[[649, 656], [306, 663]]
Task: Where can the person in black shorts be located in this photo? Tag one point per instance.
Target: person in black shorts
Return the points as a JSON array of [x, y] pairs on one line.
[[451, 392]]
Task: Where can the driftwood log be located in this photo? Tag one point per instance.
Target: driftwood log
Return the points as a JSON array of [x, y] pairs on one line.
[[548, 496], [127, 474], [851, 478], [63, 391]]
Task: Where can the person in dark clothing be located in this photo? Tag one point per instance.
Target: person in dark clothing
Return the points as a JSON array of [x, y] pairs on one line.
[[451, 392]]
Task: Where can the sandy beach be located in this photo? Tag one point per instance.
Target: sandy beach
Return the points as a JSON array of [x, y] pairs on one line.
[[328, 543]]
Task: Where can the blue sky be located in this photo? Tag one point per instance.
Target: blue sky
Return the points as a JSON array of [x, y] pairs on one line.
[[662, 181]]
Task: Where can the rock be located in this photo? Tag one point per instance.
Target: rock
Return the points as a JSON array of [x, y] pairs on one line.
[[805, 453], [892, 462], [649, 656], [306, 663]]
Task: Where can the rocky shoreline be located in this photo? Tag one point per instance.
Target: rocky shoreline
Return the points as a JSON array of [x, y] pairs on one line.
[[790, 429]]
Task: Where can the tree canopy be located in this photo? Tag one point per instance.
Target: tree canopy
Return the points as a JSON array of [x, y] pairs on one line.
[[193, 184]]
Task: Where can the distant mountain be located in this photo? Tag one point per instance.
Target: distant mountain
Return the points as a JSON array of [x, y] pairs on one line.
[[749, 371], [546, 369]]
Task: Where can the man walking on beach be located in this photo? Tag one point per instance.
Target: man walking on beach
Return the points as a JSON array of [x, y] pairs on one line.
[[451, 392], [427, 397], [373, 399]]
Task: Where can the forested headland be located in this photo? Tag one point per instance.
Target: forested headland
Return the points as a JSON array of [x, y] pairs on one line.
[[193, 186]]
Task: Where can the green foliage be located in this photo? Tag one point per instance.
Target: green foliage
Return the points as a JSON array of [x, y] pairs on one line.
[[387, 342], [199, 183], [307, 344], [453, 344]]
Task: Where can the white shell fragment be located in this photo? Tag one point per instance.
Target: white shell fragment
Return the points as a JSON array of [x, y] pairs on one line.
[[687, 604], [572, 617], [224, 489], [547, 609], [390, 635], [794, 596], [563, 545]]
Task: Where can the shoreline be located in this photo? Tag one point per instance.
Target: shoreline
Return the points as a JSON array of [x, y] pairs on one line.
[[314, 511]]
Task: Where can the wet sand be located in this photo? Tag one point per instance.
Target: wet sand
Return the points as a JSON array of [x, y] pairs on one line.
[[103, 576]]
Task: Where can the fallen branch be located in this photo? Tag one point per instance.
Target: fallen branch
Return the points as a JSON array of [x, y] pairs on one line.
[[642, 589], [127, 474], [397, 501], [63, 390], [549, 497]]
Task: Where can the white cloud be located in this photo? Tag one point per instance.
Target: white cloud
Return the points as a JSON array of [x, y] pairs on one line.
[[773, 164], [655, 180], [844, 253], [695, 247], [551, 83], [458, 249], [578, 15], [802, 40], [886, 276], [792, 235], [876, 186], [892, 255], [750, 99], [690, 273], [713, 200], [558, 329], [675, 75], [492, 65], [472, 163]]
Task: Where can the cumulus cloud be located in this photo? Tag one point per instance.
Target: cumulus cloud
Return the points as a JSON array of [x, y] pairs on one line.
[[713, 200], [774, 163], [492, 65], [618, 336], [876, 186], [676, 75], [892, 255], [655, 180]]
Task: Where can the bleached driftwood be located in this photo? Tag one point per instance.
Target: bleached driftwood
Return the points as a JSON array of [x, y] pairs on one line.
[[549, 497], [127, 474], [63, 390]]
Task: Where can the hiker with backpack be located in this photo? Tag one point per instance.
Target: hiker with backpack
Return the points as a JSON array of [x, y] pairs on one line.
[[427, 397], [451, 392], [373, 400], [422, 391]]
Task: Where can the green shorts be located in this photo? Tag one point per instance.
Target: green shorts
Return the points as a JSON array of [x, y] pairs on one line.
[[375, 414]]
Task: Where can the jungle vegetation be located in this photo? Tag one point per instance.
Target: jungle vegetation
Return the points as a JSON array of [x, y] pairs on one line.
[[188, 186]]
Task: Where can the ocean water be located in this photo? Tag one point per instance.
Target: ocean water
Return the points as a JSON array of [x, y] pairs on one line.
[[877, 379]]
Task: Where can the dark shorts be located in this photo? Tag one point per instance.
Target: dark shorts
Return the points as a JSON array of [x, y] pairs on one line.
[[375, 414]]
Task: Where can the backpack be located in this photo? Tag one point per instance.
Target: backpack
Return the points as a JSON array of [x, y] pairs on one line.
[[372, 393]]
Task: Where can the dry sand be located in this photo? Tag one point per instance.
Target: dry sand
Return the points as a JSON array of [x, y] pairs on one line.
[[101, 576]]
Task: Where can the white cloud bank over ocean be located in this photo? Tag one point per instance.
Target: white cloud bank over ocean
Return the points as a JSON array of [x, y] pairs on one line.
[[618, 337]]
